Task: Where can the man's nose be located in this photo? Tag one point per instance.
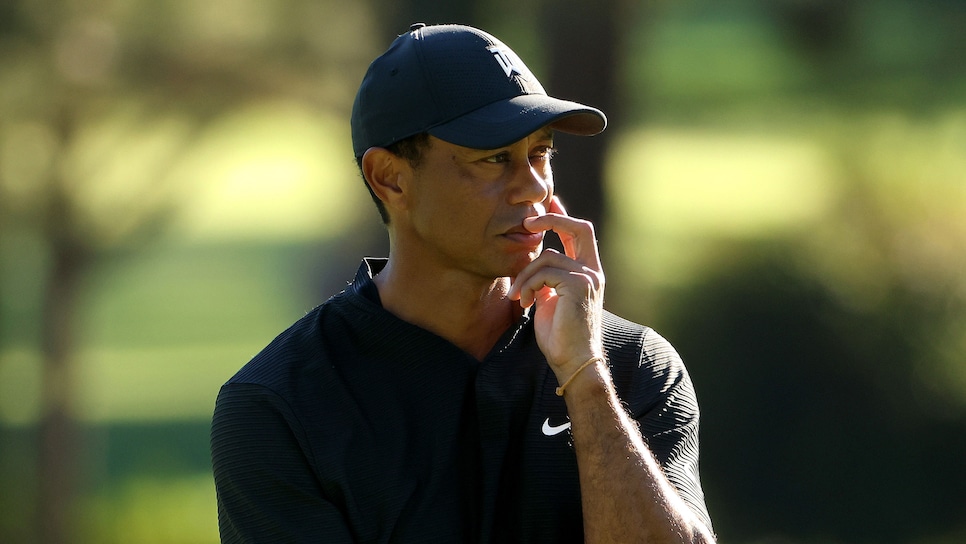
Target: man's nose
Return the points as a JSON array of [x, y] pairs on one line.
[[532, 184]]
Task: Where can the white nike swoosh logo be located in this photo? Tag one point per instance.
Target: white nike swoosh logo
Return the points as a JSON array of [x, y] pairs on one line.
[[552, 430]]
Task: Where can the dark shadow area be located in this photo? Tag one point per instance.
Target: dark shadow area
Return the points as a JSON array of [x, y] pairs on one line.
[[814, 421]]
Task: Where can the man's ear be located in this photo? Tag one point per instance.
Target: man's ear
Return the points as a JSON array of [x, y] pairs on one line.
[[387, 175]]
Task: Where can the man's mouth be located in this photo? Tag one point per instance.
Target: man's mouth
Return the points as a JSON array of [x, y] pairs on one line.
[[522, 236]]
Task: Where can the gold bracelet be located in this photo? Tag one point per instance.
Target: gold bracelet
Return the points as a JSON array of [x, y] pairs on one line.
[[592, 360]]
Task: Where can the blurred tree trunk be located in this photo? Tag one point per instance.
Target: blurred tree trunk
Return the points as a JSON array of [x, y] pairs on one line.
[[59, 436], [396, 16], [824, 35], [585, 41], [821, 30]]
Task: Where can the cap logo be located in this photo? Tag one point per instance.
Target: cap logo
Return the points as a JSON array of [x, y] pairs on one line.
[[506, 63]]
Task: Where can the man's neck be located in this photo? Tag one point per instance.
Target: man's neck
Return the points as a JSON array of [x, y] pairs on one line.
[[470, 312]]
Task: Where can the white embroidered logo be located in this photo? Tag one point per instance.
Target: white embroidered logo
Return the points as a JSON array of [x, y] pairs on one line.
[[551, 430], [505, 61]]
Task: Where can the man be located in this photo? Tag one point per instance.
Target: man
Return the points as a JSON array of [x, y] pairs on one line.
[[466, 389]]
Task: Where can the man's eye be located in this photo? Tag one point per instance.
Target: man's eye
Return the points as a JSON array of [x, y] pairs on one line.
[[544, 153], [498, 158]]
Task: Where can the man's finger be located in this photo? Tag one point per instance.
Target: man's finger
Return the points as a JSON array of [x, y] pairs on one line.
[[577, 235], [551, 258], [563, 282]]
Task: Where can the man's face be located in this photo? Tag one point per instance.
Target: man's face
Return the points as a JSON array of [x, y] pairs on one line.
[[467, 205]]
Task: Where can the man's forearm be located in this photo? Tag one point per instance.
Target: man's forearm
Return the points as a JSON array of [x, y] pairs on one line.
[[625, 494]]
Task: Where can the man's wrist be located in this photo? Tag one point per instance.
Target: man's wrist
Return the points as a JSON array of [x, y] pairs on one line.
[[591, 361], [588, 376]]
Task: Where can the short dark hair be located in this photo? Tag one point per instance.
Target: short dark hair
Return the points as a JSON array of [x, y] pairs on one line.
[[411, 149]]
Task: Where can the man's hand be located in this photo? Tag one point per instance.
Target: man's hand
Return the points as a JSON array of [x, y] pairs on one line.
[[568, 290]]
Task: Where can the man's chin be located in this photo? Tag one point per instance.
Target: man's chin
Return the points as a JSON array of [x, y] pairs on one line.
[[532, 255], [523, 262]]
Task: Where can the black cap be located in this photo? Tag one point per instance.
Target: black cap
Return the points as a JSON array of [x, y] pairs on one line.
[[461, 85]]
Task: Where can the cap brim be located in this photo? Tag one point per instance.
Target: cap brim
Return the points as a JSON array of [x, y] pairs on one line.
[[507, 121]]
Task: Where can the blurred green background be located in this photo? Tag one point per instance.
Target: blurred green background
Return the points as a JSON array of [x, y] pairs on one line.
[[782, 194]]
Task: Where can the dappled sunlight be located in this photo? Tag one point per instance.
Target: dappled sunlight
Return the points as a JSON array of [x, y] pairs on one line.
[[26, 152], [145, 385], [125, 385], [902, 214], [270, 171], [677, 191], [226, 23], [116, 168], [152, 510], [873, 206], [20, 387], [901, 227], [708, 182]]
